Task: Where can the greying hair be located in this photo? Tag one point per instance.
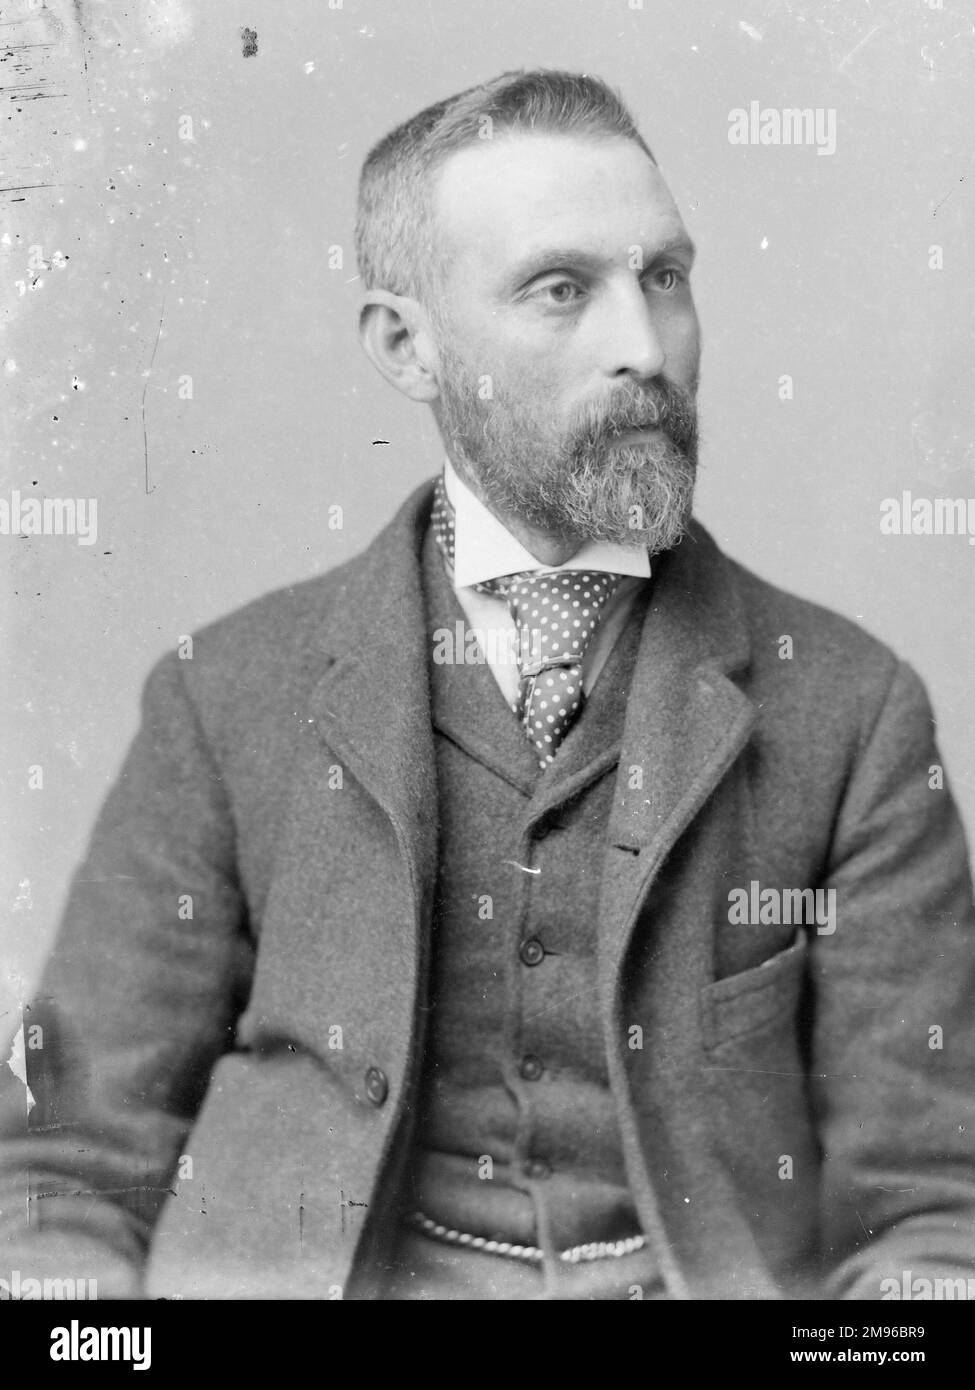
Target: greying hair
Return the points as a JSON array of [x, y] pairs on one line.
[[396, 241]]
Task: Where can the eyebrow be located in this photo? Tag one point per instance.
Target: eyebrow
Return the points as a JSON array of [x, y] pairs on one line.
[[550, 256]]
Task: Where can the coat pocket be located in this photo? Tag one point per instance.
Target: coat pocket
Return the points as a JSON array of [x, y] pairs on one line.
[[744, 1003], [761, 1124]]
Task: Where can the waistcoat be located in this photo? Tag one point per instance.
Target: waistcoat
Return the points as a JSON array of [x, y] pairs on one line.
[[516, 1136]]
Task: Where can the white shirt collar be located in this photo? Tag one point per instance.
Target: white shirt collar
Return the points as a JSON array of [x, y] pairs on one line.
[[485, 549]]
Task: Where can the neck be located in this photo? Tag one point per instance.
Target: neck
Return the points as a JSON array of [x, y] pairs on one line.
[[548, 547]]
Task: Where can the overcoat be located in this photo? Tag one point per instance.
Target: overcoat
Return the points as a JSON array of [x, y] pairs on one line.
[[231, 1021]]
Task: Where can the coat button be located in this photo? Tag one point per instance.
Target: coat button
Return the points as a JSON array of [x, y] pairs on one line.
[[531, 1067], [532, 951], [377, 1086]]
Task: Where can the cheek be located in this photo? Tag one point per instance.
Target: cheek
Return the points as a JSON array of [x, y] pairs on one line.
[[684, 349], [543, 403], [536, 379], [532, 385], [544, 378]]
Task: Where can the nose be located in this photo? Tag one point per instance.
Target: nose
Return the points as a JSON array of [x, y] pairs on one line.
[[632, 342]]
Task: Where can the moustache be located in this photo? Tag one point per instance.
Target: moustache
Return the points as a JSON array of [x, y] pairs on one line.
[[660, 405]]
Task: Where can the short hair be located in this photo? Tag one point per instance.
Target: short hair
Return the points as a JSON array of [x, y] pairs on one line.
[[395, 237]]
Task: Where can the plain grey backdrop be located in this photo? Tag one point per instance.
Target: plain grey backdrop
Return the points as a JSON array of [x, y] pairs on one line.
[[179, 296]]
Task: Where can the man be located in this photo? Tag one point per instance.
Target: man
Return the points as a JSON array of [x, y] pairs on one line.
[[501, 916]]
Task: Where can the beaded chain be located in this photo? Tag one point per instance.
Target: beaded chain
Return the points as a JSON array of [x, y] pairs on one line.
[[594, 1250]]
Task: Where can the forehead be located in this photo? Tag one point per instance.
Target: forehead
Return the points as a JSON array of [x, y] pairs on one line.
[[499, 200]]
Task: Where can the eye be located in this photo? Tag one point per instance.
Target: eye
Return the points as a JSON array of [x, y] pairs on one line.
[[669, 278], [560, 291]]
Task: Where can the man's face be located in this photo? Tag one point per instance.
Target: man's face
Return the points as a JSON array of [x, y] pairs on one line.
[[568, 339]]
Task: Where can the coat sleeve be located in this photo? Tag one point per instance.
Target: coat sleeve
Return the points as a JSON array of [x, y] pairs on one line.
[[138, 999], [893, 1064]]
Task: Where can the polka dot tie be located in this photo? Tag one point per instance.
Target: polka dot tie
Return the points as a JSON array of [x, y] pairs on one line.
[[556, 613]]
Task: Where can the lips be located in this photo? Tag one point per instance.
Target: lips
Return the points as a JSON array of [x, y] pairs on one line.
[[640, 432]]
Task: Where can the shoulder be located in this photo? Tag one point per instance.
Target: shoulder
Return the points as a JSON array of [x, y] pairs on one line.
[[779, 619], [245, 674], [811, 667], [304, 621], [248, 673], [269, 629]]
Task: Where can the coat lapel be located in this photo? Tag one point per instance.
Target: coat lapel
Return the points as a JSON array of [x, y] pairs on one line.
[[686, 722], [372, 706]]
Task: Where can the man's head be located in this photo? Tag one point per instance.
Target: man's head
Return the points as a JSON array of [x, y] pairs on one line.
[[526, 273]]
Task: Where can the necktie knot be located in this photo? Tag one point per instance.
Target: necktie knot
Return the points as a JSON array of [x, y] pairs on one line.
[[556, 612]]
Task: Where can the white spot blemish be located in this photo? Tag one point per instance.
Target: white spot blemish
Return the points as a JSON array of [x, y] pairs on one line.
[[18, 1065], [751, 31], [166, 22]]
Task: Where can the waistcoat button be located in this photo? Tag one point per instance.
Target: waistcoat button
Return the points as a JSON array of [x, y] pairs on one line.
[[532, 951], [531, 1068]]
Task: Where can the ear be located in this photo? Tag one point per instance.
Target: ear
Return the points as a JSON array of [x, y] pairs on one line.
[[397, 337]]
